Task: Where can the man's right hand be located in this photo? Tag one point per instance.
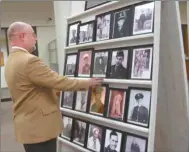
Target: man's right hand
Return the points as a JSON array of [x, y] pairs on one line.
[[95, 81]]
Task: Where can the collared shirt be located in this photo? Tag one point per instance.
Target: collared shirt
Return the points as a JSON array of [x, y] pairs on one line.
[[20, 48]]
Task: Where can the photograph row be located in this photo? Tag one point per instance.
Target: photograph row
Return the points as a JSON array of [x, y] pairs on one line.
[[118, 63], [101, 139], [123, 22], [130, 105]]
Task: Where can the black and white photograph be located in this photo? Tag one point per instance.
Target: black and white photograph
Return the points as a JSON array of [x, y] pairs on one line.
[[113, 141], [143, 18], [141, 63], [103, 23], [139, 107], [81, 100], [86, 32], [100, 63], [67, 121], [119, 64], [67, 99], [92, 4], [121, 23], [79, 132], [94, 138], [135, 144], [70, 64], [73, 34]]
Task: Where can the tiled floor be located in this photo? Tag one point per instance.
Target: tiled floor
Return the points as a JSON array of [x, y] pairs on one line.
[[8, 143]]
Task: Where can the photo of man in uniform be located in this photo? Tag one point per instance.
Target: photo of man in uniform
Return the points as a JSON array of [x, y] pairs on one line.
[[68, 99], [79, 132], [81, 100], [119, 67], [68, 127], [71, 65]]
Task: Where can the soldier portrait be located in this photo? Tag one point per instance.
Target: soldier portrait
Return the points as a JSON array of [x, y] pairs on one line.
[[100, 64], [85, 63], [135, 144], [119, 64], [98, 100], [81, 100], [79, 132], [141, 63], [139, 107], [70, 64], [116, 105], [112, 141], [67, 121], [121, 23], [94, 138], [73, 30], [143, 18], [68, 98]]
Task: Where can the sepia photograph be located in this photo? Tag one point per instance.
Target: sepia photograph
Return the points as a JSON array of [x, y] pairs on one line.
[[103, 22], [139, 107], [73, 34], [116, 105], [113, 141], [100, 64], [121, 23], [135, 144], [143, 18], [86, 32], [81, 101], [119, 64], [98, 97], [141, 63], [94, 138], [85, 57], [70, 66], [79, 132], [68, 98], [67, 121]]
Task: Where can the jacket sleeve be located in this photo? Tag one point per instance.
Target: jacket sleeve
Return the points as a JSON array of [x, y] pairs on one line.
[[41, 75]]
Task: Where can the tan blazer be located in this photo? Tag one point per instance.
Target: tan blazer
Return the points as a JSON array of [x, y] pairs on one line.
[[37, 117]]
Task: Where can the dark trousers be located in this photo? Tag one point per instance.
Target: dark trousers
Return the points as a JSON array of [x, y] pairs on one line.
[[48, 146]]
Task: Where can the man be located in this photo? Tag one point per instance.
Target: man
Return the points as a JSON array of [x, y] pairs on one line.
[[118, 70], [86, 66], [140, 112], [37, 117], [68, 128], [79, 131], [68, 99], [135, 147], [73, 36], [100, 64], [113, 143]]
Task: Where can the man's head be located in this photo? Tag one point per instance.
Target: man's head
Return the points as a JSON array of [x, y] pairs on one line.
[[98, 92], [121, 19], [95, 132], [113, 140], [139, 97], [86, 58], [22, 35], [119, 57]]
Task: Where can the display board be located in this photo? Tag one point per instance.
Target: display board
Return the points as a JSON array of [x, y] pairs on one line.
[[119, 42]]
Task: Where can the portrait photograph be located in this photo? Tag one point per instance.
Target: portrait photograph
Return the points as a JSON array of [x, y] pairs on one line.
[[100, 64], [103, 22], [113, 141], [121, 23], [81, 100], [79, 132], [143, 18], [141, 63], [94, 138], [67, 121], [116, 104], [97, 102], [119, 64], [139, 107], [68, 99], [70, 64], [86, 32], [73, 34], [135, 144], [85, 57]]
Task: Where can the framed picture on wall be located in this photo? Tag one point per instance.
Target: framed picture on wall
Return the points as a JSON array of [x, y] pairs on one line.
[[86, 32], [67, 131], [143, 18], [138, 112], [92, 4], [68, 98], [72, 33]]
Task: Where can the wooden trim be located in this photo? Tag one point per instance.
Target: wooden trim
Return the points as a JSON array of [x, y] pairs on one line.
[[6, 99]]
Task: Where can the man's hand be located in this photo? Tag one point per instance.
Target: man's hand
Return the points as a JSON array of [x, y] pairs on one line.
[[95, 81]]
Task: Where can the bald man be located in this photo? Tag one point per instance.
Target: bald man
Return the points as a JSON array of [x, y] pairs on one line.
[[37, 118]]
